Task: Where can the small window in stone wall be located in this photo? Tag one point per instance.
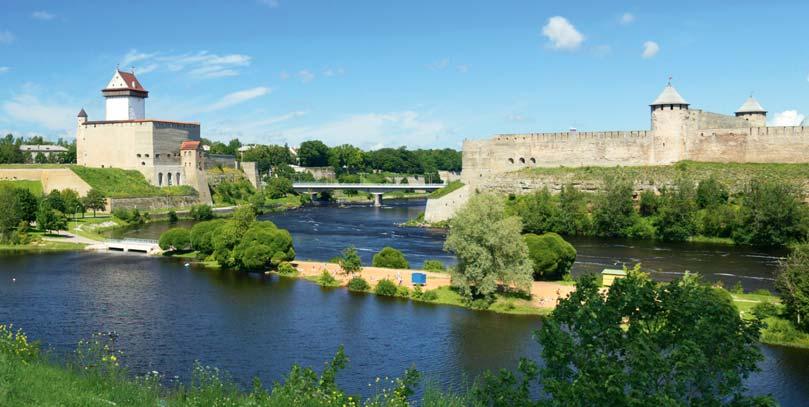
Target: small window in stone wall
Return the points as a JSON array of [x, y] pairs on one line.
[[511, 161], [533, 160], [522, 160], [142, 163], [157, 156], [138, 155], [147, 155]]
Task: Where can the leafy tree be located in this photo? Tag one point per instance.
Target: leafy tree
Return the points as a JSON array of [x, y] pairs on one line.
[[50, 219], [614, 213], [717, 220], [711, 192], [538, 211], [313, 153], [10, 215], [26, 204], [649, 202], [390, 258], [40, 159], [54, 201], [178, 239], [645, 343], [268, 157], [573, 218], [72, 202], [202, 235], [278, 187], [10, 150], [201, 212], [386, 288], [434, 265], [552, 256], [771, 214], [346, 158], [95, 201], [793, 284], [263, 246], [489, 248], [676, 216], [358, 284], [350, 261], [398, 160], [172, 217]]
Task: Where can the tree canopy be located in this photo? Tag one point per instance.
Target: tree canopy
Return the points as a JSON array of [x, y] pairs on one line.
[[313, 153]]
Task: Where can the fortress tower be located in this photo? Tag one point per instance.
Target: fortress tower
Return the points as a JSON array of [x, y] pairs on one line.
[[125, 97], [670, 116], [752, 111]]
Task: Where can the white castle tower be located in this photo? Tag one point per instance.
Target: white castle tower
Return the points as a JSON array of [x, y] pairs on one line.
[[669, 120], [126, 98]]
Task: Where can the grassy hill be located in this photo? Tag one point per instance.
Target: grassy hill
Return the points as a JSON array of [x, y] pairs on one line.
[[118, 183], [34, 186]]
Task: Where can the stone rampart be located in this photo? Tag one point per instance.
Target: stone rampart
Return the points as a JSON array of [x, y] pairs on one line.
[[51, 178], [153, 202], [750, 145], [444, 208]]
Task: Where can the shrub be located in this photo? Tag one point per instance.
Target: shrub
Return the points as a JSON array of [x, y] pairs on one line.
[[201, 212], [649, 202], [121, 213], [430, 295], [349, 260], [573, 218], [386, 287], [718, 220], [539, 211], [418, 292], [711, 192], [737, 288], [177, 239], [262, 245], [173, 217], [676, 216], [434, 265], [326, 279], [287, 268], [792, 282], [358, 284], [771, 214], [202, 235], [389, 257], [765, 310], [641, 228], [278, 187], [552, 256], [614, 211], [402, 291]]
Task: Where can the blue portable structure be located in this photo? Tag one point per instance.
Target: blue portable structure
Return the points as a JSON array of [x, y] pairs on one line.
[[418, 278]]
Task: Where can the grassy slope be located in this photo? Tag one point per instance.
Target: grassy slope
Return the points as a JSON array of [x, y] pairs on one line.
[[34, 186], [118, 183], [452, 186], [735, 175]]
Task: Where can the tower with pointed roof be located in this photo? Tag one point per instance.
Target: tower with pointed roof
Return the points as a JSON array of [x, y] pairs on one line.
[[752, 111], [669, 123], [125, 97], [81, 118]]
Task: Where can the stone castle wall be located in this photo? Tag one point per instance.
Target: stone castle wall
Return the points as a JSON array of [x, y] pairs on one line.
[[750, 144], [51, 178]]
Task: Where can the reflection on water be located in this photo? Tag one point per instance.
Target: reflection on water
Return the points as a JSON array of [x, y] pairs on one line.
[[321, 232]]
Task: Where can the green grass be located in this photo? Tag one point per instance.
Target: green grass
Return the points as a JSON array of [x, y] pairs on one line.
[[42, 246], [451, 187], [34, 186], [118, 183], [90, 228], [735, 175], [711, 239]]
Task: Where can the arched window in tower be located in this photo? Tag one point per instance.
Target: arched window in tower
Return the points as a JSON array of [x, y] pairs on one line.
[[160, 179], [522, 160], [533, 160], [178, 178], [511, 161], [168, 179]]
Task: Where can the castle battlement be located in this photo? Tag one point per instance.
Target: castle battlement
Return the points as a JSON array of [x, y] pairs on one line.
[[677, 133]]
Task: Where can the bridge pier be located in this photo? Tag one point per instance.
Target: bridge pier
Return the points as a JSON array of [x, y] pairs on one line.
[[377, 199]]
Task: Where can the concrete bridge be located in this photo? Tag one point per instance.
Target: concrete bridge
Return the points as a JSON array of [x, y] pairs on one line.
[[145, 246], [376, 189]]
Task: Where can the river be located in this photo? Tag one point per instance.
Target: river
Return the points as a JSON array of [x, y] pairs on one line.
[[169, 316]]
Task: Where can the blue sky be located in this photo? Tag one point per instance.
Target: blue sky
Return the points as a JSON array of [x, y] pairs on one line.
[[385, 73]]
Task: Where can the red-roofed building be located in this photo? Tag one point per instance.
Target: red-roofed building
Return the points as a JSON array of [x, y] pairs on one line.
[[190, 145], [126, 97]]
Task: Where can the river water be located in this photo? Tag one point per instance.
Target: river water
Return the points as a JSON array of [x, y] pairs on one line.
[[169, 316]]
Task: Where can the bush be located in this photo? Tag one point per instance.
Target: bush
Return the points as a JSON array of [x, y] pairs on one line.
[[326, 279], [573, 218], [349, 260], [202, 235], [418, 292], [403, 292], [676, 216], [278, 187], [771, 214], [386, 287], [430, 295], [614, 211], [287, 269], [434, 265], [649, 202], [765, 310], [177, 239], [552, 256], [121, 213], [718, 221], [737, 288], [172, 216], [358, 284], [711, 192], [391, 258], [201, 212], [538, 211]]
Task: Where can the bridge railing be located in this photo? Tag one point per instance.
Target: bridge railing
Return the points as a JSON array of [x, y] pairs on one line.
[[336, 185], [132, 240]]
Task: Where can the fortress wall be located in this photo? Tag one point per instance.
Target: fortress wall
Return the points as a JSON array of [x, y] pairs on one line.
[[51, 178], [115, 145], [709, 120], [511, 152], [750, 144]]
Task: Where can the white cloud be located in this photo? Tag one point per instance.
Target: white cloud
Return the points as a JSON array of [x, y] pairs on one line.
[[270, 3], [28, 108], [201, 65], [561, 34], [4, 69], [235, 98], [329, 72], [43, 15], [305, 75], [626, 18], [650, 49], [787, 118], [6, 37], [372, 130]]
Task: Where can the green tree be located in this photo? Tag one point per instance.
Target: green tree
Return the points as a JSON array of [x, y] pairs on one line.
[[711, 192], [262, 246], [573, 218], [614, 212], [202, 235], [645, 343], [346, 158], [26, 204], [178, 239], [350, 261], [489, 248], [390, 258], [552, 257], [201, 212], [649, 203], [434, 265], [54, 201], [771, 214], [73, 204], [268, 157], [313, 153], [95, 201], [278, 187], [50, 219], [793, 284], [676, 218], [10, 215], [538, 211]]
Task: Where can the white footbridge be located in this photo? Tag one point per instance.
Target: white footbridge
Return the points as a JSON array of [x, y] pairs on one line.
[[145, 246], [376, 189]]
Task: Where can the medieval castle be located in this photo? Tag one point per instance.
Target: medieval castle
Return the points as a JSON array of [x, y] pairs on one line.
[[677, 133]]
